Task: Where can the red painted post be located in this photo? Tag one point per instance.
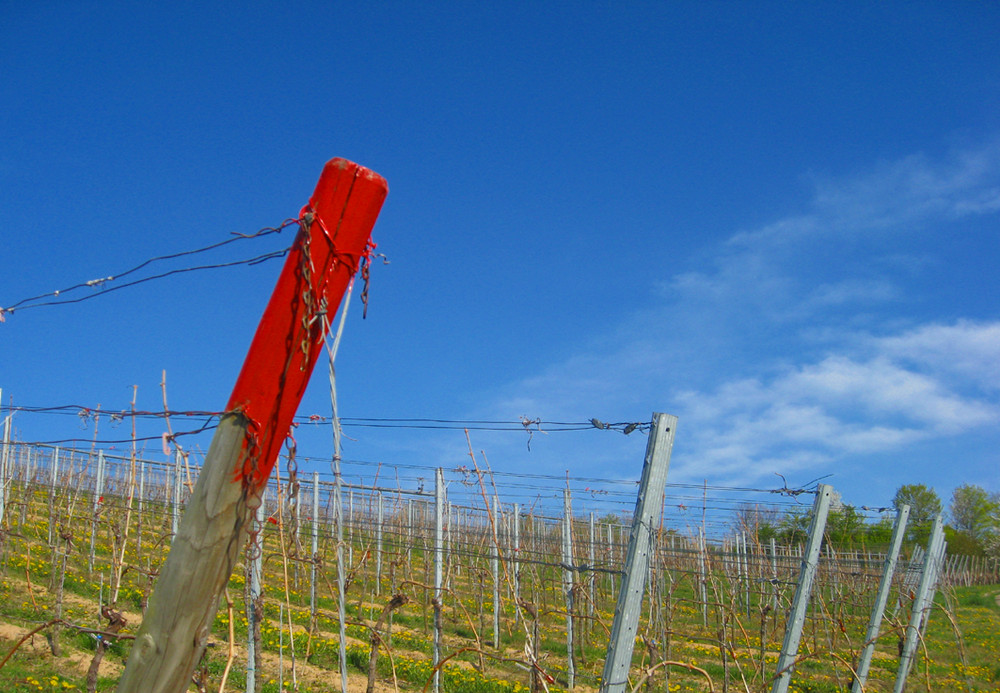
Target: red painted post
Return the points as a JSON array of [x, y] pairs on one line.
[[335, 236], [317, 271]]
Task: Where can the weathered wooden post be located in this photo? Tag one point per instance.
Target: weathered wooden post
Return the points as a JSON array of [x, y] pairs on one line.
[[333, 239]]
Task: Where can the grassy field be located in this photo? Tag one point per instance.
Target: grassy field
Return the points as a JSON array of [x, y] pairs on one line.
[[728, 642]]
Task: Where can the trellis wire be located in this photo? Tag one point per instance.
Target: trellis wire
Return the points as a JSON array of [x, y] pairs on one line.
[[686, 555]]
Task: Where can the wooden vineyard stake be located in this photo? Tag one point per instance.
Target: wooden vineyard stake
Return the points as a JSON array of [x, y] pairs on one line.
[[333, 240]]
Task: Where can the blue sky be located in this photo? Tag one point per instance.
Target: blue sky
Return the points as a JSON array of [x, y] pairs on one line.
[[777, 221]]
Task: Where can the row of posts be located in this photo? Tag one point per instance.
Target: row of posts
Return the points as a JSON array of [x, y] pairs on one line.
[[635, 573], [933, 558], [649, 501]]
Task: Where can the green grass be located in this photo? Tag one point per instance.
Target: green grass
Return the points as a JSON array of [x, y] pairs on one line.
[[962, 639]]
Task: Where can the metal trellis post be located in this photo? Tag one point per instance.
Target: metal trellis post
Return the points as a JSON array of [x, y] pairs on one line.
[[341, 573], [515, 557], [922, 602], [702, 575], [97, 499], [175, 523], [647, 507], [438, 569], [378, 546], [774, 577], [53, 477], [4, 467], [495, 569], [314, 554], [592, 557], [800, 603], [567, 557], [256, 569], [142, 503], [881, 599]]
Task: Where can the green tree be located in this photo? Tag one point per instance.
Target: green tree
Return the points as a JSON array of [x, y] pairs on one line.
[[880, 531], [794, 526], [974, 511], [924, 506], [845, 526], [961, 543]]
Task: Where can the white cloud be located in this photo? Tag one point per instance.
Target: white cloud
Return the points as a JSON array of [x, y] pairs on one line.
[[851, 291], [841, 405], [881, 388], [912, 190], [838, 251], [800, 345], [966, 349]]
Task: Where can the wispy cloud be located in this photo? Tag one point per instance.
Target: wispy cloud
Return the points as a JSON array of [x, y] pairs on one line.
[[823, 411], [967, 350], [840, 249], [797, 344], [851, 291], [891, 195]]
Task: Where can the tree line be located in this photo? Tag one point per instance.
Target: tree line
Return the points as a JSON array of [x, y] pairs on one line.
[[972, 521]]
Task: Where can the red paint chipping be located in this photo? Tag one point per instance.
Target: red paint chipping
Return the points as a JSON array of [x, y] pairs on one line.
[[289, 339]]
